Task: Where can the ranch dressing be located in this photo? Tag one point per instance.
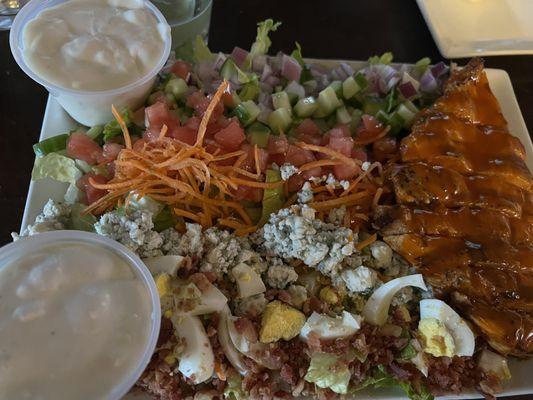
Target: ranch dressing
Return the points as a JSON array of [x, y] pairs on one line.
[[74, 322], [94, 45]]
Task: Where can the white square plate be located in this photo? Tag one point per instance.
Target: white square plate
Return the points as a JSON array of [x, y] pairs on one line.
[[57, 121], [465, 28]]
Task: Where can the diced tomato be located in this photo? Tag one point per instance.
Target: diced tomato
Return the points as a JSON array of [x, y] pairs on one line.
[[138, 117], [90, 191], [298, 156], [193, 123], [231, 137], [138, 145], [248, 193], [82, 147], [343, 145], [360, 154], [249, 163], [110, 152], [384, 148], [184, 134], [369, 128], [199, 103], [295, 183], [345, 171], [341, 130], [317, 171], [157, 115], [181, 69], [277, 144], [307, 127], [279, 159]]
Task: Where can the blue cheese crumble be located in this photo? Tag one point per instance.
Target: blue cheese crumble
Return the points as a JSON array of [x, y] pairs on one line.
[[280, 275], [54, 216], [287, 170], [305, 195], [295, 233]]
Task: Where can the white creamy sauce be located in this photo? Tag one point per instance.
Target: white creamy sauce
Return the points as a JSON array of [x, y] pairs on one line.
[[94, 45], [74, 322]]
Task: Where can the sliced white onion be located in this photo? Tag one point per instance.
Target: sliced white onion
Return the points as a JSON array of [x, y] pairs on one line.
[[163, 264], [249, 283], [462, 335], [197, 362], [376, 308], [327, 327], [420, 363], [232, 354]]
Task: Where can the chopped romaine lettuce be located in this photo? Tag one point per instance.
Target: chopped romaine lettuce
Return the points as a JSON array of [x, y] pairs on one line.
[[385, 58], [56, 166], [164, 219], [200, 50], [79, 220], [328, 371], [112, 128], [297, 55], [262, 41]]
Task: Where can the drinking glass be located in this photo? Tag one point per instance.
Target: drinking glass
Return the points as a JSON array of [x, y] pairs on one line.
[[187, 19], [8, 10]]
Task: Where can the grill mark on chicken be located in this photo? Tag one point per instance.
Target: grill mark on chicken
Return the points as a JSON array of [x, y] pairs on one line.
[[464, 217]]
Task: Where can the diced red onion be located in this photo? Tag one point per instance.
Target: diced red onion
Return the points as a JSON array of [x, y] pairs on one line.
[[295, 88], [407, 90], [334, 75], [265, 99], [428, 83], [408, 78], [265, 87], [239, 55], [392, 82], [439, 69], [206, 72], [347, 69], [263, 113], [258, 63], [290, 68], [272, 80], [275, 62], [267, 71], [219, 61], [310, 86]]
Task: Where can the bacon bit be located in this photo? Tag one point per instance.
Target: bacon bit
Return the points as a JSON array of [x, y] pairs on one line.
[[123, 127], [367, 242]]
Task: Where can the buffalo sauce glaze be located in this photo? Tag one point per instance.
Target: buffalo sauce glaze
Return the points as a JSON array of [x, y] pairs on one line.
[[466, 220]]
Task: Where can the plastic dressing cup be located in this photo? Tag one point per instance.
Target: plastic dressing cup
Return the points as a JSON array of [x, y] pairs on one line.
[[33, 246], [88, 107]]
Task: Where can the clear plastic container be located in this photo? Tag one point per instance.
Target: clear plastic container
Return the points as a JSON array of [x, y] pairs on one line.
[[31, 244], [87, 107]]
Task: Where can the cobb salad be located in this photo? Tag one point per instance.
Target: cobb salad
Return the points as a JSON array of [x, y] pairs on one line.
[[246, 184]]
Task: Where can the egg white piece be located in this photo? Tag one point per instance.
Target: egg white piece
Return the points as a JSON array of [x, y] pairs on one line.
[[212, 300], [461, 333], [377, 306], [234, 357], [249, 283], [163, 264], [197, 362], [327, 327]]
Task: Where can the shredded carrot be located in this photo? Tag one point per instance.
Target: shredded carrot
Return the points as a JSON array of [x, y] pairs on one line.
[[256, 159], [367, 242], [330, 152], [377, 196], [319, 163], [123, 127], [205, 119], [182, 213], [163, 132], [339, 201]]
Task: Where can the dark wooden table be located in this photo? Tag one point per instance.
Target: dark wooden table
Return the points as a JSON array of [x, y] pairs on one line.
[[342, 29]]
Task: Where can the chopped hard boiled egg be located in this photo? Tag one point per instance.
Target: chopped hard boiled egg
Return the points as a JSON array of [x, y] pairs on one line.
[[461, 334], [327, 327], [162, 282], [492, 363], [376, 308], [211, 300], [436, 338], [280, 321], [197, 361], [230, 351], [249, 283], [163, 264]]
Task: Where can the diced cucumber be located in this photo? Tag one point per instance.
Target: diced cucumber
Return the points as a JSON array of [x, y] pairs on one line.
[[281, 100], [356, 119], [337, 87], [258, 134], [394, 121], [247, 112], [306, 107], [328, 101], [235, 100], [177, 87], [382, 116], [273, 199], [409, 104], [51, 145], [350, 88], [228, 69], [406, 114], [293, 98], [372, 105], [361, 80], [250, 91], [343, 116], [279, 120]]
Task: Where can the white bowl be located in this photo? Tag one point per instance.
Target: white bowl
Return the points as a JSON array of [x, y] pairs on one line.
[[87, 107], [30, 244]]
